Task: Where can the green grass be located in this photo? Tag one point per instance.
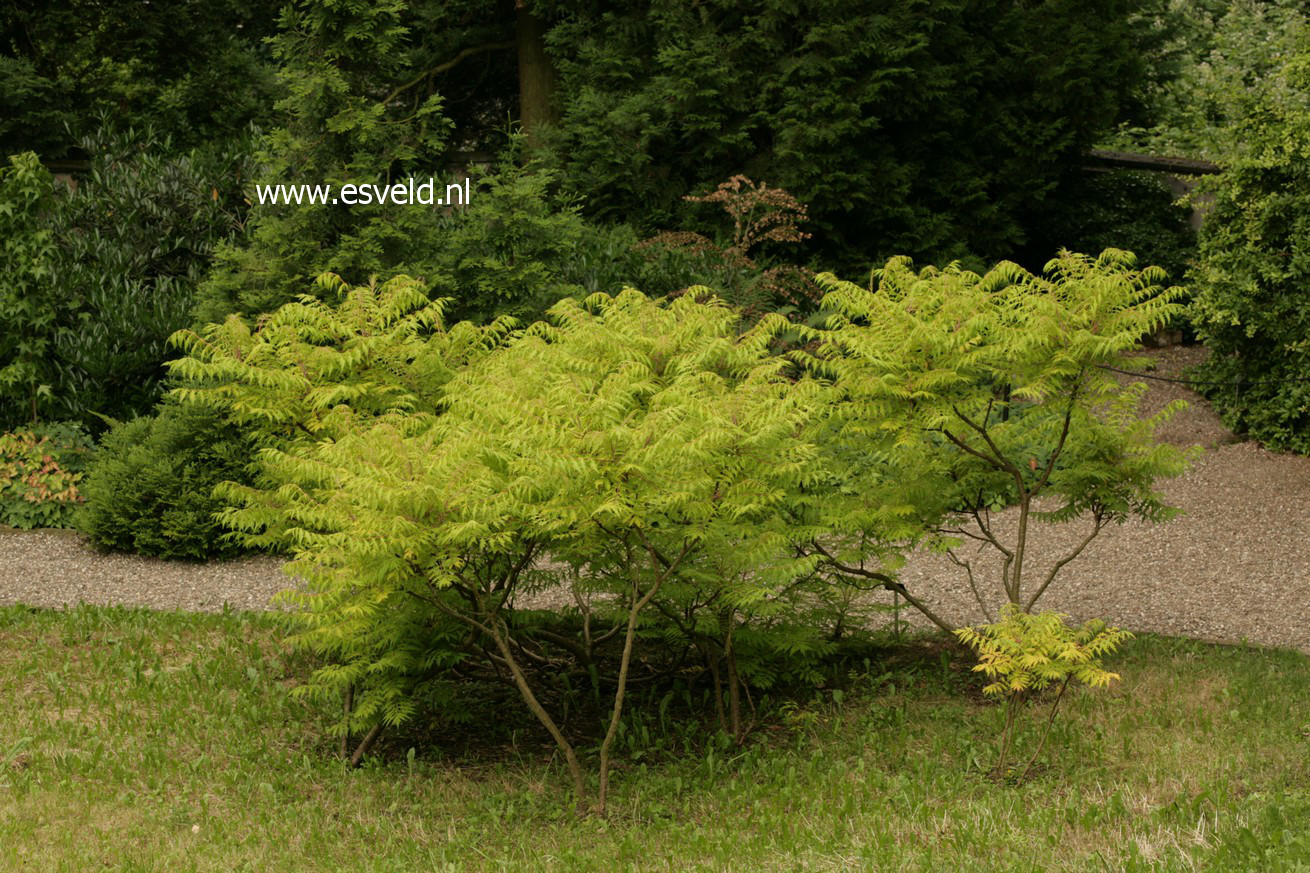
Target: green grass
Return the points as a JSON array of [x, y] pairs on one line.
[[144, 741]]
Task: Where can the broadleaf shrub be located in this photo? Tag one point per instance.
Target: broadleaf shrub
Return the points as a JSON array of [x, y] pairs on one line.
[[132, 243], [41, 471], [704, 504], [1251, 308], [99, 276], [27, 316], [967, 393], [150, 489], [637, 440], [761, 218]]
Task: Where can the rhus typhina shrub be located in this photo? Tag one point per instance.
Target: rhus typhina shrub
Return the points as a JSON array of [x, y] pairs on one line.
[[630, 451], [374, 348], [1023, 654], [964, 394], [240, 389], [663, 447], [702, 505], [312, 371]]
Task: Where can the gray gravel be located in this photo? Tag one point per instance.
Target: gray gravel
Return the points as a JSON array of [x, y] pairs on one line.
[[1235, 567], [59, 568]]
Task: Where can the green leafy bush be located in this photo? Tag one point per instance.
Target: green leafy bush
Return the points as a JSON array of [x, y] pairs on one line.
[[101, 275], [646, 443], [967, 393], [337, 64], [41, 472], [131, 244], [1214, 63], [27, 316], [701, 503], [62, 64], [504, 253], [1250, 306], [150, 489]]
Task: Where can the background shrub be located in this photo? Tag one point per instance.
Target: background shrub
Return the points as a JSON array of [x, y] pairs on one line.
[[100, 275], [131, 244], [26, 317], [41, 471], [1131, 210], [921, 129], [63, 63], [151, 487], [1251, 307]]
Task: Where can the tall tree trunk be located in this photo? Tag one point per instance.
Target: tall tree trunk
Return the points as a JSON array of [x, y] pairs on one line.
[[537, 78]]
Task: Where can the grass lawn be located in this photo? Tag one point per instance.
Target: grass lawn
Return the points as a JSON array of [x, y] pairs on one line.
[[133, 740]]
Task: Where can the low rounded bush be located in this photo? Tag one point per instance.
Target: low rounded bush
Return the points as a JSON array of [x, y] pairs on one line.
[[150, 489], [41, 469]]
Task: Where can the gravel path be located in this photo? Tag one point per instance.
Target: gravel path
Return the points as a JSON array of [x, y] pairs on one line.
[[1235, 567], [59, 568]]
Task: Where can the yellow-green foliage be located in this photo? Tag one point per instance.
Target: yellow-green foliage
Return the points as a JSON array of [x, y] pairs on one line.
[[313, 372], [964, 393], [381, 349], [627, 440], [1030, 652], [1025, 653], [668, 474]]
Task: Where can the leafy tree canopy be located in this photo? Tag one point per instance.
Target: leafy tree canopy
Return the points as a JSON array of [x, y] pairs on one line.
[[917, 129], [199, 71]]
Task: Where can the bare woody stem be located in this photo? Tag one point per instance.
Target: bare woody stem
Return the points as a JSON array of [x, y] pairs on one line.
[[1059, 565], [347, 706], [365, 744], [887, 582], [638, 604], [1049, 721], [525, 691], [1007, 736]]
